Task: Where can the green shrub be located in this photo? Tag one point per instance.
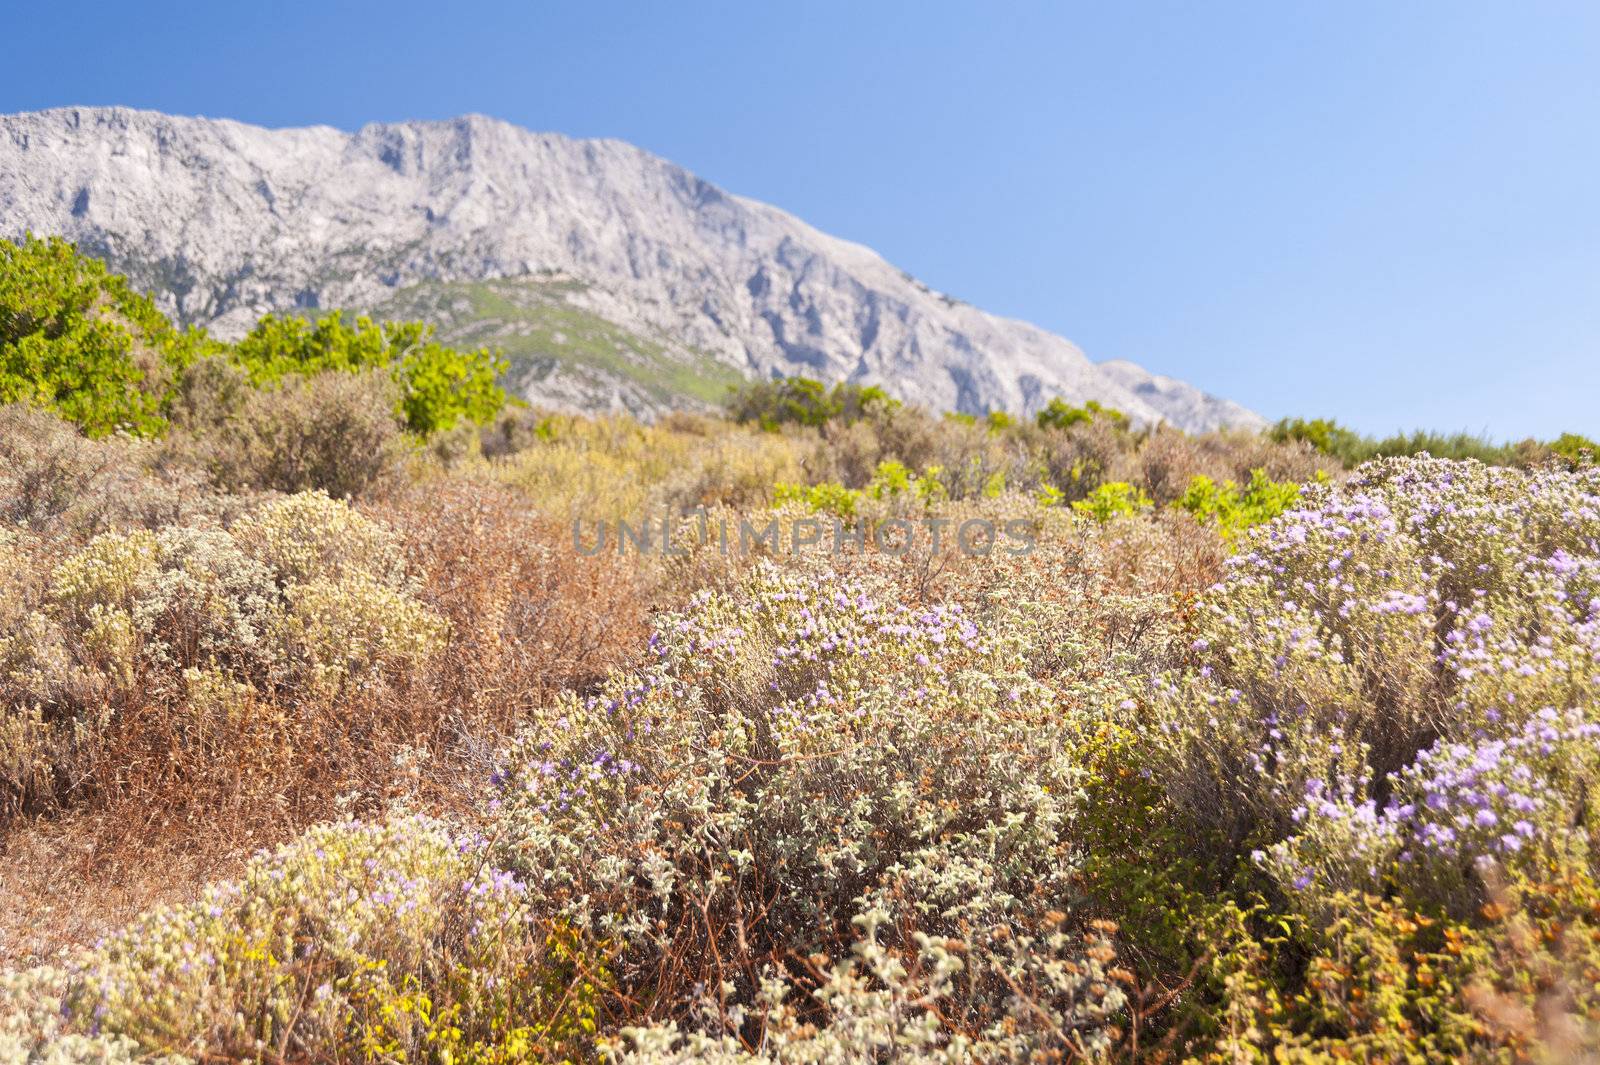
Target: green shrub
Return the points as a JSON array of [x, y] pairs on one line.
[[892, 480], [439, 386], [829, 497], [803, 401], [1058, 414], [1352, 448], [76, 339], [1576, 450], [1327, 436], [1114, 499], [1234, 510], [1380, 981]]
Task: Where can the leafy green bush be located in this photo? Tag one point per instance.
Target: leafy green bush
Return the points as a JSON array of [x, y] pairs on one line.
[[1352, 448], [829, 497], [893, 480], [439, 386], [1114, 499], [1234, 510], [1327, 436], [1576, 450], [892, 484], [803, 401], [76, 339], [1058, 414]]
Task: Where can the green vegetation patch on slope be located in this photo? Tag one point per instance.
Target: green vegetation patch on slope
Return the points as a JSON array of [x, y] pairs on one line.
[[541, 330]]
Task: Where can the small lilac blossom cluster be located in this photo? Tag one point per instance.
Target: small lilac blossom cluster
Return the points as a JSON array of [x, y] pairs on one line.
[[1461, 808]]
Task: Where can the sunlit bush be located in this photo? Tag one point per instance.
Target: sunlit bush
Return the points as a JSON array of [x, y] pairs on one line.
[[310, 536], [301, 601], [1235, 509], [77, 339], [354, 629], [437, 387], [1424, 599], [391, 941]]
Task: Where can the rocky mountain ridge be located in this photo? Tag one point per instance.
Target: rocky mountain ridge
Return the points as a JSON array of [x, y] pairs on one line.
[[613, 278]]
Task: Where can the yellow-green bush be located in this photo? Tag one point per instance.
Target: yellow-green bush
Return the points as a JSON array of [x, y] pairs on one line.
[[1235, 509], [353, 629], [1114, 499], [311, 536]]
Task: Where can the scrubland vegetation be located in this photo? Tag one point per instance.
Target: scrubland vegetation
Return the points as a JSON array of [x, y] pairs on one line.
[[321, 740]]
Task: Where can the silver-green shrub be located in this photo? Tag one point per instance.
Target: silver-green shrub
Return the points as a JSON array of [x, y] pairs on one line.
[[802, 753]]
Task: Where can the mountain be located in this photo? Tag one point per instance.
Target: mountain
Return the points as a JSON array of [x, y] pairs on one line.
[[611, 278]]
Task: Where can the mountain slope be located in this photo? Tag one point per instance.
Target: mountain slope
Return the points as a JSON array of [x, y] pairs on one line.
[[614, 278]]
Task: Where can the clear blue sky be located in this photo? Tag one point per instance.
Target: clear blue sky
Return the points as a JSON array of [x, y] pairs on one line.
[[1388, 212]]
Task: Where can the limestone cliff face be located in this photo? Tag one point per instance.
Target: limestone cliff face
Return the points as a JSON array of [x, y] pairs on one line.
[[614, 278]]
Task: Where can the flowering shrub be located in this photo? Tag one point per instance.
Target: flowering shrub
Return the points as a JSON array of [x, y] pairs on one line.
[[802, 753], [354, 628], [1422, 599], [900, 1004], [1101, 795], [305, 584], [1460, 811], [105, 575], [390, 941], [206, 603], [302, 600], [1389, 696]]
